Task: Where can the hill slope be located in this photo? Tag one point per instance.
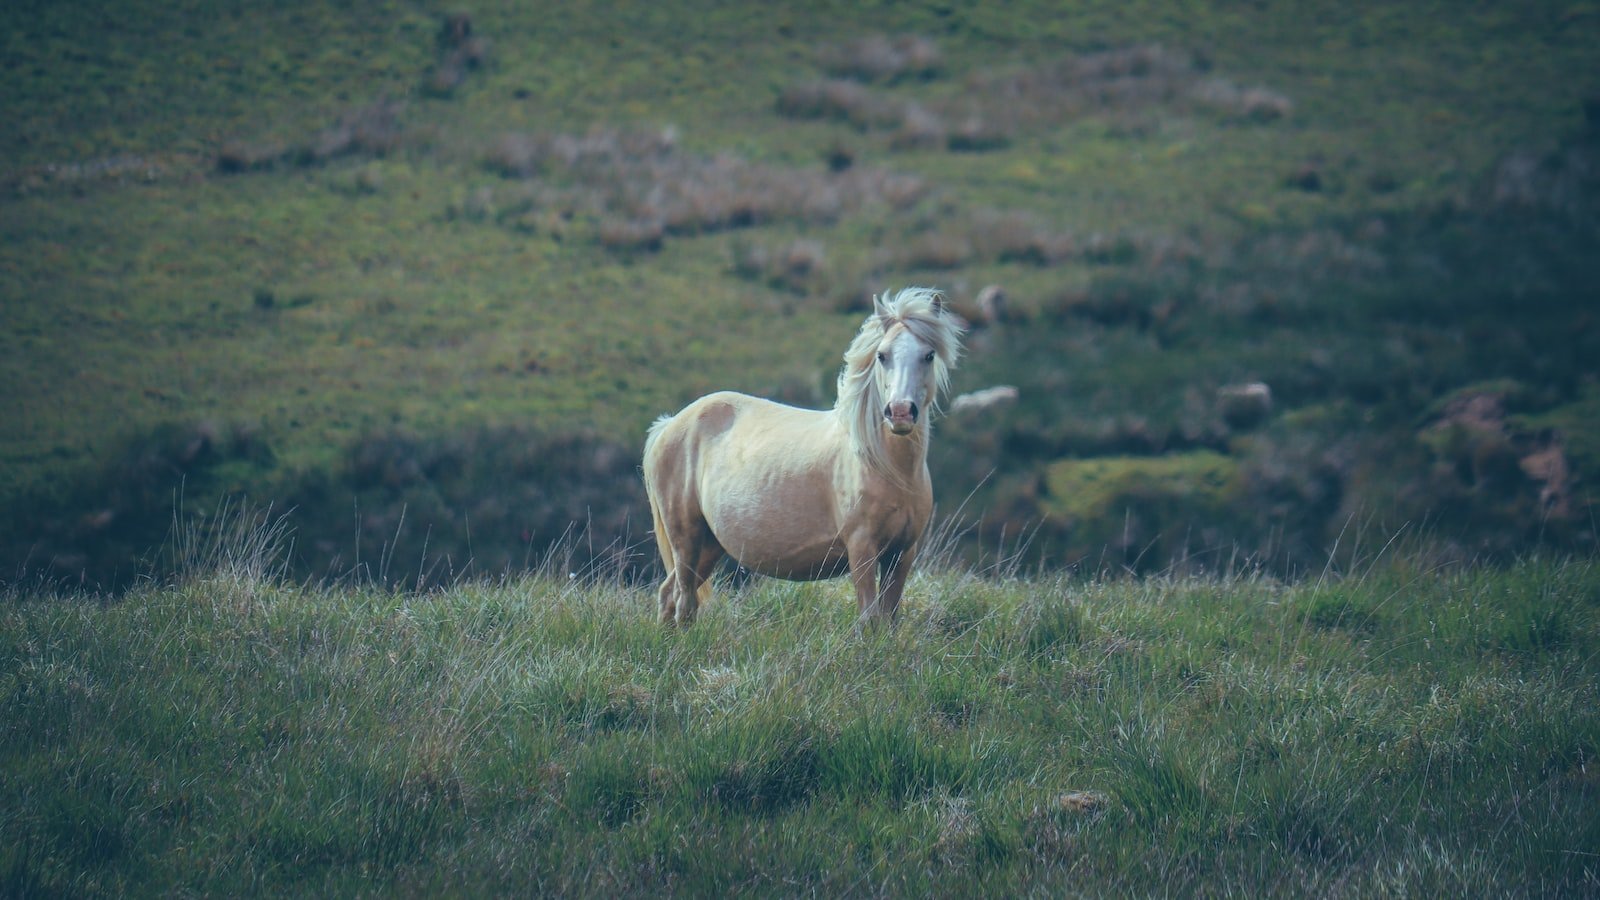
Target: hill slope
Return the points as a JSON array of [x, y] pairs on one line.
[[415, 275]]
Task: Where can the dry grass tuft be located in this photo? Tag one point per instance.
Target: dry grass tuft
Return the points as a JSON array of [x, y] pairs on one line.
[[937, 250], [845, 101], [998, 104], [796, 266], [1122, 80], [637, 187], [1017, 237], [1082, 802], [373, 130], [883, 58], [631, 234]]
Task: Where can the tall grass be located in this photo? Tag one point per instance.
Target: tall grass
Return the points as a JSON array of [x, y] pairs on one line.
[[1400, 731]]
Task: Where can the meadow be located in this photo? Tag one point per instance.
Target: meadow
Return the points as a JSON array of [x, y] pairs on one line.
[[329, 335], [1406, 729]]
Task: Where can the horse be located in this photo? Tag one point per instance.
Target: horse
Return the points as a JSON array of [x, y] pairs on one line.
[[804, 494]]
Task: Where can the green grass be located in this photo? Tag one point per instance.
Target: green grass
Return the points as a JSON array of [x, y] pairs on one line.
[[1401, 730], [398, 330]]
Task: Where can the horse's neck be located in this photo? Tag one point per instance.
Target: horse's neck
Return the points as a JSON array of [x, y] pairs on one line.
[[907, 456], [898, 460], [910, 453]]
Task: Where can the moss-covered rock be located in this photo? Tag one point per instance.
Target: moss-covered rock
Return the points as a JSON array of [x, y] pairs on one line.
[[1577, 424], [1570, 463], [1134, 509]]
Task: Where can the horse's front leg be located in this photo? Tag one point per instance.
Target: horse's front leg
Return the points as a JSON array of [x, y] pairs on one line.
[[893, 570], [880, 580], [864, 575]]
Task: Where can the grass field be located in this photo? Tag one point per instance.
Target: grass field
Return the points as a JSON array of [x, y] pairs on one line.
[[416, 284], [1400, 730]]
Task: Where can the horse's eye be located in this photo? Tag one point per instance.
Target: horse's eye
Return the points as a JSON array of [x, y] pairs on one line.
[[929, 357], [883, 357]]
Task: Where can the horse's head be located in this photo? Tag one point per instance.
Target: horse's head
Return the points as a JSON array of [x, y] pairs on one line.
[[904, 372], [910, 359], [896, 368]]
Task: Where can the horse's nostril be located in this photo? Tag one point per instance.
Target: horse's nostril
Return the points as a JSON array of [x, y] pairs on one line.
[[901, 409]]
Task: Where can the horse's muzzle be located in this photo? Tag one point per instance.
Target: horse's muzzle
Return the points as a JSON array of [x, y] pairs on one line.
[[902, 416]]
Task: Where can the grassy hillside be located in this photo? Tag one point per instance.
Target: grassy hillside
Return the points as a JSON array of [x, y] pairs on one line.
[[1400, 730], [416, 276]]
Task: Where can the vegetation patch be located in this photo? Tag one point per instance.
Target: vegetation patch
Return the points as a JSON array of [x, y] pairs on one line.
[[222, 730], [1130, 504]]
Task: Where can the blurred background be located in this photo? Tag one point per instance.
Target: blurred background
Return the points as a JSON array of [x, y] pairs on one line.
[[1250, 285]]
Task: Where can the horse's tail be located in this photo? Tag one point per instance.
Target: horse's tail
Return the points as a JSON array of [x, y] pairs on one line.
[[650, 440], [668, 559], [662, 546]]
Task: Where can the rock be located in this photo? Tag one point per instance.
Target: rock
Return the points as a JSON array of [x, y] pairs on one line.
[[1244, 405], [992, 304], [988, 398], [1307, 177]]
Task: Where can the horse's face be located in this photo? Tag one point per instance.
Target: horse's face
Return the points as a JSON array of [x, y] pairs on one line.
[[904, 373]]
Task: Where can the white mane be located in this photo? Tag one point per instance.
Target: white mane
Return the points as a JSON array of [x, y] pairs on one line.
[[860, 404]]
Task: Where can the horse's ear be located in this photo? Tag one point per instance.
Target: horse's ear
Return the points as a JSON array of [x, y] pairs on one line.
[[879, 307], [940, 304]]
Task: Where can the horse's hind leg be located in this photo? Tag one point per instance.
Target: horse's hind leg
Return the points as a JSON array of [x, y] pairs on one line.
[[694, 556], [667, 597], [694, 582]]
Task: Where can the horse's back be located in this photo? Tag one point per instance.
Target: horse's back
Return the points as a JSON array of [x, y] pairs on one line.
[[715, 417]]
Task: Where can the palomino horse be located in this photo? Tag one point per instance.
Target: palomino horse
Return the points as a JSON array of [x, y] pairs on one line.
[[806, 494]]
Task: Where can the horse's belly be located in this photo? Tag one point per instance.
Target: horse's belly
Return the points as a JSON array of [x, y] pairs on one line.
[[781, 542], [802, 567]]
